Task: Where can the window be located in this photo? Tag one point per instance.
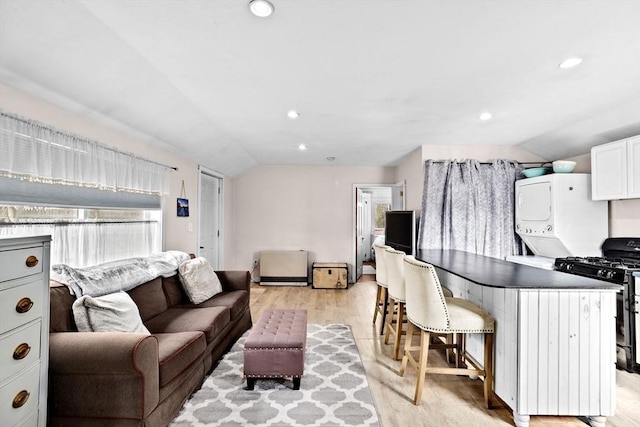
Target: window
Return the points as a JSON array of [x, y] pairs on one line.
[[97, 203], [380, 209]]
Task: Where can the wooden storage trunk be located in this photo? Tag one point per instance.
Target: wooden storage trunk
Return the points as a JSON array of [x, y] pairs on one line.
[[330, 275]]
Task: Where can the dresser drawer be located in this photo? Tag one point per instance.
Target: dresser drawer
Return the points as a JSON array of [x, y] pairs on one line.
[[20, 305], [30, 421], [20, 263], [20, 397], [19, 348]]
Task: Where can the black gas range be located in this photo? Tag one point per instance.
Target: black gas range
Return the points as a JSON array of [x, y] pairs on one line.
[[620, 260]]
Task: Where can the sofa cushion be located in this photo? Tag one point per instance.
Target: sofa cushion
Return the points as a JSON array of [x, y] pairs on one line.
[[199, 280], [150, 298], [177, 351], [174, 291], [114, 312], [236, 301], [210, 320]]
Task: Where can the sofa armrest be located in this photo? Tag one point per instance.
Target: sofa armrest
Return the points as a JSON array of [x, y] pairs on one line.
[[234, 280], [103, 375]]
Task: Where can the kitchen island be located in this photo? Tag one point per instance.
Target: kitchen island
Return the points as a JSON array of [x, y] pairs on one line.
[[555, 346]]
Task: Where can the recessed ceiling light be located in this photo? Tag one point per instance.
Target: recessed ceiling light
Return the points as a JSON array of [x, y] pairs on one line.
[[302, 147], [570, 62], [293, 114], [330, 158], [261, 8], [485, 116]]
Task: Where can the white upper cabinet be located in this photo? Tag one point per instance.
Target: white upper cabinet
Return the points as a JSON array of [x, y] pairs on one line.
[[615, 170], [633, 167]]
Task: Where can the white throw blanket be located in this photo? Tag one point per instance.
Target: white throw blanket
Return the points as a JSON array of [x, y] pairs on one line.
[[120, 275]]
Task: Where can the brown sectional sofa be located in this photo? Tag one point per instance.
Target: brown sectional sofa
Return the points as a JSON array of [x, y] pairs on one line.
[[129, 379]]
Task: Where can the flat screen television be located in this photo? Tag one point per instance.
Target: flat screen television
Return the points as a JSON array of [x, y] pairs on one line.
[[400, 231]]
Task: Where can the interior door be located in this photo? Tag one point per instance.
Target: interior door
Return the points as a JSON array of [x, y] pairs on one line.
[[210, 218], [359, 233], [366, 226], [397, 196]]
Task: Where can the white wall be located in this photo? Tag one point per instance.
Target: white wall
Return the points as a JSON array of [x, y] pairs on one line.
[[410, 170], [624, 215], [411, 167], [297, 208], [479, 152], [176, 236]]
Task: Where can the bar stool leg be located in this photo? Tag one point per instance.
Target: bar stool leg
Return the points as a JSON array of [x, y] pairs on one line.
[[378, 301], [399, 322], [488, 370], [422, 365], [385, 305]]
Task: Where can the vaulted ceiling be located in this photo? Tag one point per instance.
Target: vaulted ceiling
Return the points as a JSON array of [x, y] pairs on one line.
[[371, 80]]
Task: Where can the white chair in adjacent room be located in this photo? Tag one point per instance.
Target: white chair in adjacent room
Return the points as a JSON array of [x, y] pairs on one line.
[[394, 261], [382, 298], [433, 313]]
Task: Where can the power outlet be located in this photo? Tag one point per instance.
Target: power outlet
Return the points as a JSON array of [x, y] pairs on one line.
[[190, 227]]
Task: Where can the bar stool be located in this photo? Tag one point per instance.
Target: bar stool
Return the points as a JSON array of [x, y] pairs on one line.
[[431, 312], [394, 261], [382, 299]]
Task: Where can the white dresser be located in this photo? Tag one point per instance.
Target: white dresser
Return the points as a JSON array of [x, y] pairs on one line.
[[24, 330]]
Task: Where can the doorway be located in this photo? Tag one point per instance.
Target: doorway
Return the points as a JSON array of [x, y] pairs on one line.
[[210, 217], [370, 201]]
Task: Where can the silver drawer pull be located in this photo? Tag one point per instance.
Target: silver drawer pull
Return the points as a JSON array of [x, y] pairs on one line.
[[24, 305], [31, 261], [20, 399], [21, 351]]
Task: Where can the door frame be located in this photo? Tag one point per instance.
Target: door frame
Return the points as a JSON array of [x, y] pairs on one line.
[[202, 170], [354, 208]]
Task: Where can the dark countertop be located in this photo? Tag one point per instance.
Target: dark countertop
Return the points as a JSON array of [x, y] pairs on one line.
[[498, 273]]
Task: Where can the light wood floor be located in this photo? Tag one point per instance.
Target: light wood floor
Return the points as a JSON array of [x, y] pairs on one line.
[[447, 400]]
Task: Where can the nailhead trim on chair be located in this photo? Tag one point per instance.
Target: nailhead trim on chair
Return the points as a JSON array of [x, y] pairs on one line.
[[440, 294], [432, 270]]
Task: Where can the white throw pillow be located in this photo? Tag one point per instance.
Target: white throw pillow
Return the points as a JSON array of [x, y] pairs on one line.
[[114, 312], [199, 280]]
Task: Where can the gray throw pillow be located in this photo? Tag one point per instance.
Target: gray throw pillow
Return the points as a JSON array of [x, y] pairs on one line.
[[114, 312], [199, 280]]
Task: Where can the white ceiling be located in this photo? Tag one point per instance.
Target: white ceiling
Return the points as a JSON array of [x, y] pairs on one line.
[[372, 80]]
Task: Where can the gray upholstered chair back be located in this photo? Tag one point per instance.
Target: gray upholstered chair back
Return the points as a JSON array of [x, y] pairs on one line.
[[381, 268], [394, 261], [425, 302]]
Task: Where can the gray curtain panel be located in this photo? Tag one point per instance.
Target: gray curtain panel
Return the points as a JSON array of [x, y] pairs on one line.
[[470, 206]]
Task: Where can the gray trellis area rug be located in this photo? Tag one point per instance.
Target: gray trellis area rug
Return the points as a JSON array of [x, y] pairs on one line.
[[333, 391]]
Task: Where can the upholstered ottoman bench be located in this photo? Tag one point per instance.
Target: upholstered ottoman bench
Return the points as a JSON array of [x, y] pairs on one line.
[[275, 346]]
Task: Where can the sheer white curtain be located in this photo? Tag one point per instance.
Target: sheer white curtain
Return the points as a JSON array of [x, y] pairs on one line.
[[86, 244], [37, 152], [470, 206]]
